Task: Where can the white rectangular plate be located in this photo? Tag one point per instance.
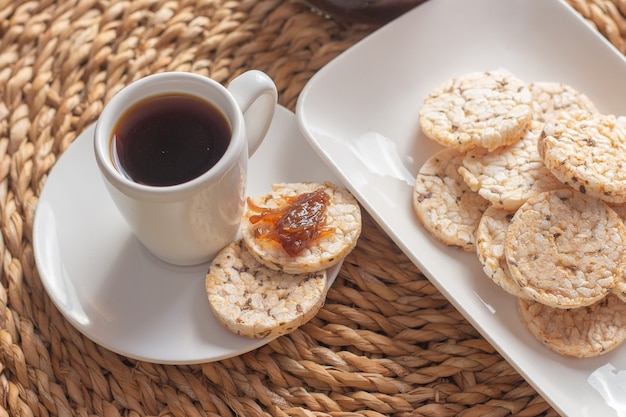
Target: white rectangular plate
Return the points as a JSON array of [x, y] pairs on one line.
[[360, 114]]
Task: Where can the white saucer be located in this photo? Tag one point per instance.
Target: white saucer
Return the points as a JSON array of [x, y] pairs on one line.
[[114, 292]]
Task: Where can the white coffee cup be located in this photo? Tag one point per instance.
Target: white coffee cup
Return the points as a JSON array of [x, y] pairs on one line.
[[188, 223]]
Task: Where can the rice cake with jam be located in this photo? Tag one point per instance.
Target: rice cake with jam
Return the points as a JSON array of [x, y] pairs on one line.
[[338, 234]]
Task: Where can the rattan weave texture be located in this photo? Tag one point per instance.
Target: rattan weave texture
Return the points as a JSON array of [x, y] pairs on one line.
[[385, 344]]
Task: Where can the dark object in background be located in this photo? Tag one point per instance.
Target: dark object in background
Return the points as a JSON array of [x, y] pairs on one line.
[[363, 11]]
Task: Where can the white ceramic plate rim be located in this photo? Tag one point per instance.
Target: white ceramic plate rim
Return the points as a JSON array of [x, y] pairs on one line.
[[107, 285], [360, 114]]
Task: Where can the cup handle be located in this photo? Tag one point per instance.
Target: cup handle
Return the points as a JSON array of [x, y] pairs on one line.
[[256, 94]]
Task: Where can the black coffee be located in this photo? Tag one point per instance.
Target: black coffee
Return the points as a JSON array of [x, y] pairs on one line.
[[170, 139]]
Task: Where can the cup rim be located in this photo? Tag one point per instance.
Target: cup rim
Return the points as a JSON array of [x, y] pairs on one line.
[[167, 83]]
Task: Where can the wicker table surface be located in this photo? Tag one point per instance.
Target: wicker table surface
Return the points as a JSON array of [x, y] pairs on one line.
[[363, 354]]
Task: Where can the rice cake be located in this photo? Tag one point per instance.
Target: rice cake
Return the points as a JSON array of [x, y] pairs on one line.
[[254, 301], [579, 332], [619, 290], [620, 286], [586, 151], [565, 249], [339, 233], [550, 98], [479, 109], [490, 236], [507, 176], [444, 203]]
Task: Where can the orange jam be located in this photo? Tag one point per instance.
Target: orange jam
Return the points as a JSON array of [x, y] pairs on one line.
[[294, 225]]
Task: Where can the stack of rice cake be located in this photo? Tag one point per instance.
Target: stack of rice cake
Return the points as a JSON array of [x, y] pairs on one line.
[[255, 287], [531, 179]]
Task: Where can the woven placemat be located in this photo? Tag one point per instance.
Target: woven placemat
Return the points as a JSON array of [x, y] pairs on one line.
[[386, 342]]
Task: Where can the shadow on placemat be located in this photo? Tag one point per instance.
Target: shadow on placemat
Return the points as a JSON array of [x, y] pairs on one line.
[[385, 343]]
